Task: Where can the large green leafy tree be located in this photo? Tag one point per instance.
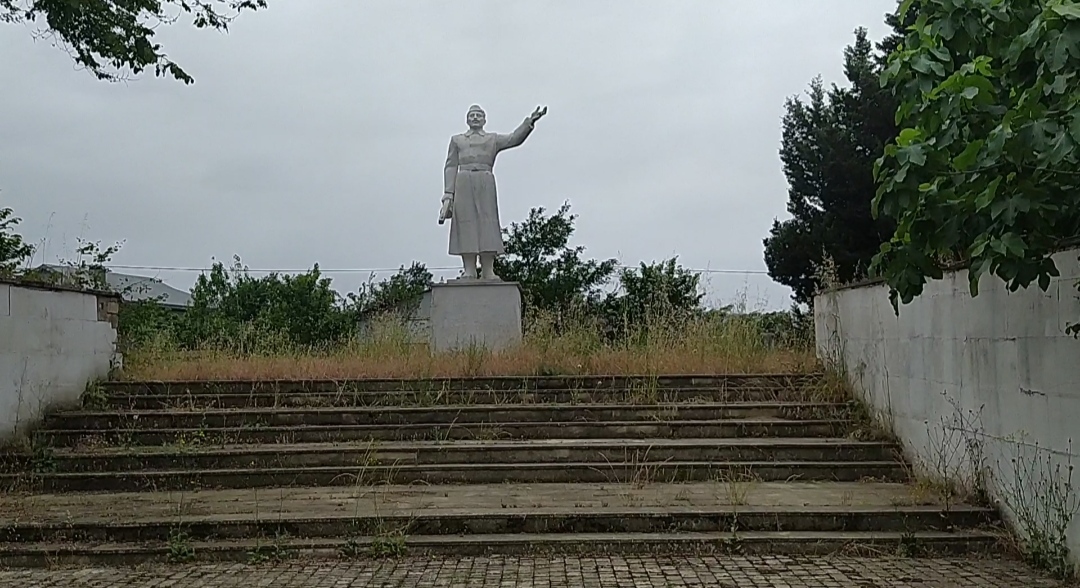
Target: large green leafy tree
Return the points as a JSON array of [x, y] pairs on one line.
[[829, 145], [553, 275], [985, 169], [115, 38]]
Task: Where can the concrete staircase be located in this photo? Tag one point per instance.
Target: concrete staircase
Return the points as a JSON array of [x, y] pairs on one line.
[[256, 470]]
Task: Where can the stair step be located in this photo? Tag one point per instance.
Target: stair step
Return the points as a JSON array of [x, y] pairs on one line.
[[474, 473], [677, 429], [578, 382], [754, 542], [432, 415], [831, 518], [413, 398], [248, 471], [526, 452]]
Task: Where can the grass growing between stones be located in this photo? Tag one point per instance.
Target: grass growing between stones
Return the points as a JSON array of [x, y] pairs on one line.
[[713, 344]]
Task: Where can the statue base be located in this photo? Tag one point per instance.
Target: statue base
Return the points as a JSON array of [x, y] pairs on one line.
[[465, 312]]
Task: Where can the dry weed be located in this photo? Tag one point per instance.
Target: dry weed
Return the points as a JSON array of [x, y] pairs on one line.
[[717, 345]]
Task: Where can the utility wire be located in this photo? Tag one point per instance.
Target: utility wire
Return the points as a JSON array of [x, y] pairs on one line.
[[379, 270]]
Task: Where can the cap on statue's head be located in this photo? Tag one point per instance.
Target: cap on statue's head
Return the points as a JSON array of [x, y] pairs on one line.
[[476, 108]]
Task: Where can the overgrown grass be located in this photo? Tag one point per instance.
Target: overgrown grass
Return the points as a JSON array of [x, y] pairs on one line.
[[733, 343]]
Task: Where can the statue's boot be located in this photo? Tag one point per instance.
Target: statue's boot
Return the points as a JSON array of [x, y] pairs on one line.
[[470, 266], [487, 262]]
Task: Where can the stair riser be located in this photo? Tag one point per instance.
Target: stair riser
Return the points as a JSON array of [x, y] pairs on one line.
[[456, 398], [960, 546], [501, 432], [458, 416], [921, 521], [499, 383], [433, 474], [449, 454]]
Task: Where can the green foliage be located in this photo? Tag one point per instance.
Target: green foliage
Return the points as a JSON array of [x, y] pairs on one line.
[[231, 305], [828, 150], [13, 250], [663, 290], [144, 323], [985, 168], [231, 309], [792, 328], [113, 37], [400, 293], [552, 274], [558, 283]]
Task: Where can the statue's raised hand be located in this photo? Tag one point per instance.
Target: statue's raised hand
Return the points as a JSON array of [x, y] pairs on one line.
[[538, 113]]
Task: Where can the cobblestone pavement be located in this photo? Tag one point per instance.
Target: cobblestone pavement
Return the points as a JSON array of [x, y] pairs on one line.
[[575, 572]]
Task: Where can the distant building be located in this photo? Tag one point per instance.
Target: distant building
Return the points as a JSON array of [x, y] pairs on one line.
[[131, 287]]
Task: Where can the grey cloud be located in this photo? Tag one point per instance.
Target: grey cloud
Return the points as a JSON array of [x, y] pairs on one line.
[[316, 131]]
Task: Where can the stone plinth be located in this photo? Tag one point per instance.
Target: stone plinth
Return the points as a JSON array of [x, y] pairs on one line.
[[461, 313]]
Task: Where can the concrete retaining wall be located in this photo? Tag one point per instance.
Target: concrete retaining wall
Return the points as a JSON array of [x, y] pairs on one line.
[[991, 380], [52, 343]]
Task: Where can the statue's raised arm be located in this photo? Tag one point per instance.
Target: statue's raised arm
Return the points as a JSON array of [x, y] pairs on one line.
[[516, 138]]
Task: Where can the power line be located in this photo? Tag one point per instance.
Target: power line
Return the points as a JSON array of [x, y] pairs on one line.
[[381, 270]]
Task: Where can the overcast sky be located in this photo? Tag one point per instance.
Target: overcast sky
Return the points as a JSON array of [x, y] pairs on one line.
[[316, 131]]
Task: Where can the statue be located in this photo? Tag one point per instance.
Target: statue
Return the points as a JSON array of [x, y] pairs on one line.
[[469, 196]]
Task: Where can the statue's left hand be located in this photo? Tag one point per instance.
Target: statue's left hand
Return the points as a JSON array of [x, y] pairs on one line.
[[538, 113]]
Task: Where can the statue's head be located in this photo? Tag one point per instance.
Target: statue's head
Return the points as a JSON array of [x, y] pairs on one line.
[[476, 117]]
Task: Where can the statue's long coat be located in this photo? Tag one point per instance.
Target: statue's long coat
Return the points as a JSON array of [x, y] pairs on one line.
[[474, 222]]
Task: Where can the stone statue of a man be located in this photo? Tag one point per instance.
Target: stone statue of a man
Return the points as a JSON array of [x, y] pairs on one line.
[[469, 196]]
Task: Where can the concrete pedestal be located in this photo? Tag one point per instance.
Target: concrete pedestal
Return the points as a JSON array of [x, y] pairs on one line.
[[473, 312]]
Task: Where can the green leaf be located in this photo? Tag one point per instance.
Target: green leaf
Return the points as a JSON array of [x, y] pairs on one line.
[[1024, 41], [914, 154], [904, 8], [1014, 244], [979, 247], [970, 92], [908, 136], [946, 29], [987, 196], [1059, 53], [1060, 85], [997, 207], [968, 156], [921, 64], [1070, 11]]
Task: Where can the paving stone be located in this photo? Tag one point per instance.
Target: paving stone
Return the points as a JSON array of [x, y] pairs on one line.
[[562, 572]]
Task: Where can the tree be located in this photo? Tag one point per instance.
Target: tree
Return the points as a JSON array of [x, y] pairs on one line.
[[828, 151], [302, 308], [400, 292], [665, 287], [111, 38], [13, 250], [984, 170], [663, 294], [552, 274]]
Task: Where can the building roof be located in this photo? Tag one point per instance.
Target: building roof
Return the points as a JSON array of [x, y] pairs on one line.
[[135, 288]]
